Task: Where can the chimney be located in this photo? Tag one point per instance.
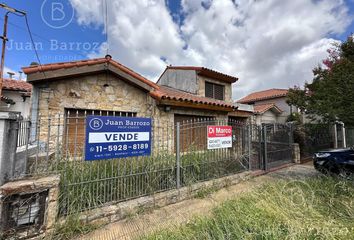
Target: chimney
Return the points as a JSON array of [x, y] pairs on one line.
[[11, 74], [20, 75]]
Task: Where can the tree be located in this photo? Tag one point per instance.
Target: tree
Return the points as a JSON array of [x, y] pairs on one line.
[[331, 93]]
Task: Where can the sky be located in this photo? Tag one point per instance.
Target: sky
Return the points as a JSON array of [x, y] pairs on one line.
[[265, 43]]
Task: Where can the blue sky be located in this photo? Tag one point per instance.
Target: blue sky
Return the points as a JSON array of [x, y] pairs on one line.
[[194, 32]]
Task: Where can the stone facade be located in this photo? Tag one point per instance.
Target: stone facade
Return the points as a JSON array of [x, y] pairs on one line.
[[95, 92], [227, 87], [107, 92]]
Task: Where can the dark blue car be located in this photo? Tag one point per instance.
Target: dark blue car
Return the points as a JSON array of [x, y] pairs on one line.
[[335, 161]]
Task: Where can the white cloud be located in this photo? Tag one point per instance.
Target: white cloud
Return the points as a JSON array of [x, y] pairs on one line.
[[269, 43]]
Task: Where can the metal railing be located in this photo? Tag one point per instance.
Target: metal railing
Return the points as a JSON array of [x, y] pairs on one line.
[[179, 157], [23, 132]]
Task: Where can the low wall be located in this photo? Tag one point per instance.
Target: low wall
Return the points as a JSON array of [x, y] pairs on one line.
[[118, 211]]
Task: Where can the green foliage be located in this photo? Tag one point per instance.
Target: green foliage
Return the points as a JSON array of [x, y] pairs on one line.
[[87, 185], [317, 208], [294, 117], [71, 227], [331, 94], [205, 191]]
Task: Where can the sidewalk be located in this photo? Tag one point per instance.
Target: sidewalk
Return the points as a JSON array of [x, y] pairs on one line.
[[180, 213]]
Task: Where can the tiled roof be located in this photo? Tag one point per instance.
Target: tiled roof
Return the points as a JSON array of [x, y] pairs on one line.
[[262, 108], [207, 73], [262, 95], [16, 85], [90, 62], [158, 92], [177, 95], [6, 100]]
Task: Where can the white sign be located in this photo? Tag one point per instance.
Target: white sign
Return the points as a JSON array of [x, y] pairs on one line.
[[219, 137]]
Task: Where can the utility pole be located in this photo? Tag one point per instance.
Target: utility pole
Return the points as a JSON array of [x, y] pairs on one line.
[[4, 38]]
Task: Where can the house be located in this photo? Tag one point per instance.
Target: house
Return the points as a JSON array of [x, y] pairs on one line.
[[270, 106], [202, 83], [103, 86], [16, 97]]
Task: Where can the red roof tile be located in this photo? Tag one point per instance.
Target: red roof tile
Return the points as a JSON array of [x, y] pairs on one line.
[[159, 92], [90, 62], [262, 108], [177, 95], [207, 73], [16, 85], [262, 95]]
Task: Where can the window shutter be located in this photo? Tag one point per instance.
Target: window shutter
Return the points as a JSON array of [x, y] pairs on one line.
[[219, 92], [209, 90]]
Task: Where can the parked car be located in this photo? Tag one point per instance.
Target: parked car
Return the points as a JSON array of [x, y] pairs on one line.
[[335, 161]]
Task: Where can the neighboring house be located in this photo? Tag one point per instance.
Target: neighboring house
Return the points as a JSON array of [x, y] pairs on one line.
[[16, 97], [269, 105], [105, 87]]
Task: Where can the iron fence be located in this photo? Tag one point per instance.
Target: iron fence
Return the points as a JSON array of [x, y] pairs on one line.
[[24, 128], [179, 157], [313, 137]]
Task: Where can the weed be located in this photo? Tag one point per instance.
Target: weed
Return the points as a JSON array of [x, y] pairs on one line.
[[205, 191], [71, 227], [317, 208]]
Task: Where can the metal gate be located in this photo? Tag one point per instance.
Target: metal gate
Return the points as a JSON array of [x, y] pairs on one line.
[[276, 145]]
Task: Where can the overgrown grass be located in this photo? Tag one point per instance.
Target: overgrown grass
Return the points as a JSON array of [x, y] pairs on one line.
[[71, 228], [87, 185], [317, 208]]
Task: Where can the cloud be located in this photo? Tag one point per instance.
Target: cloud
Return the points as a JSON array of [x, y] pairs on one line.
[[267, 43]]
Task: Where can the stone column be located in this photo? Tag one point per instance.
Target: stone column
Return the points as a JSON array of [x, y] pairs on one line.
[[8, 144], [296, 153]]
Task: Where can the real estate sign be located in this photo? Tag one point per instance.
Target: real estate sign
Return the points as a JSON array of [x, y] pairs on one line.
[[219, 137], [117, 137]]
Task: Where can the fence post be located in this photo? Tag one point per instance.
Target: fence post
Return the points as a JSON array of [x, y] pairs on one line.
[[178, 157], [249, 133], [335, 136], [8, 145], [265, 157]]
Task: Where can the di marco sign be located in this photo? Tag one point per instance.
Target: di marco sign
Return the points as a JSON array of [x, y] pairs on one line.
[[219, 137], [117, 137]]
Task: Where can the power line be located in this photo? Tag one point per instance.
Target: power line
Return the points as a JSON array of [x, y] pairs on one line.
[[34, 46]]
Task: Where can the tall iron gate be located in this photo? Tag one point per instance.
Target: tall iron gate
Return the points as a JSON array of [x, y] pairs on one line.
[[179, 157]]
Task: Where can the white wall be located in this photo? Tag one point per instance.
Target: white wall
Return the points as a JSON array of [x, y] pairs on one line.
[[267, 117], [281, 103], [19, 106]]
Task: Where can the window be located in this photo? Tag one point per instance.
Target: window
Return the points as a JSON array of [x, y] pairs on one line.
[[75, 121], [213, 90]]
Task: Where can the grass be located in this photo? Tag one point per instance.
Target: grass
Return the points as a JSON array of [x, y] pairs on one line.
[[71, 228], [205, 192], [316, 208], [87, 185]]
